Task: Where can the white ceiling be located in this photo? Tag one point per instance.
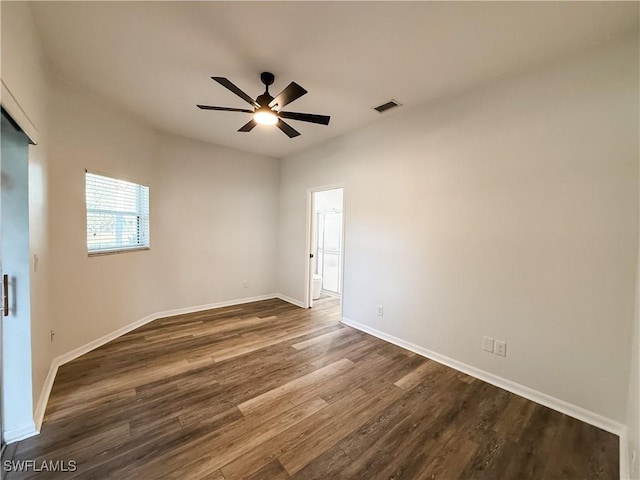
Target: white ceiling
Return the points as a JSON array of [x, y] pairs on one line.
[[155, 59]]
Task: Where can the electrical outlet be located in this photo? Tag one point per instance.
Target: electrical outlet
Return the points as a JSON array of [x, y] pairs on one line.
[[487, 344], [633, 456], [500, 348], [245, 284], [51, 335], [380, 310], [36, 259]]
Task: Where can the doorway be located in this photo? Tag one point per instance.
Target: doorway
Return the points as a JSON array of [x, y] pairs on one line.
[[15, 327], [326, 258]]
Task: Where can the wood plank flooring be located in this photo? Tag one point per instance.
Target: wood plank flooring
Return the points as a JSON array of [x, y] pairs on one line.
[[271, 391]]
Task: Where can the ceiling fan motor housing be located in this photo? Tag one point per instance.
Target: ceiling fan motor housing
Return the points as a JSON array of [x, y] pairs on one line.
[[264, 99], [267, 78]]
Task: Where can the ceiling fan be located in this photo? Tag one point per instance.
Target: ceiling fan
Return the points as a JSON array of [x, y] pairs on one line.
[[267, 110]]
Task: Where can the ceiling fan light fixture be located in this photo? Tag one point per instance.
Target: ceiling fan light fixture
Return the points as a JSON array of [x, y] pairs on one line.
[[265, 116], [264, 107]]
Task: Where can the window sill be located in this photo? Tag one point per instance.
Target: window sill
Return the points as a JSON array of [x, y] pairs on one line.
[[99, 253]]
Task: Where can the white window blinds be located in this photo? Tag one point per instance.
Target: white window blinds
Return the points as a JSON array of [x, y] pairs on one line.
[[117, 214]]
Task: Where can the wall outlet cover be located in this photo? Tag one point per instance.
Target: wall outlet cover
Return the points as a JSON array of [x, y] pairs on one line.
[[500, 348]]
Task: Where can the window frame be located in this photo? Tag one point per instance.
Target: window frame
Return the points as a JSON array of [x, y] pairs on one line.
[[139, 215]]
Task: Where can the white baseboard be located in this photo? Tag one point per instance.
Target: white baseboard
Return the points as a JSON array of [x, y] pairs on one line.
[[625, 466], [43, 399], [329, 294], [73, 354], [41, 406], [561, 406], [290, 300], [21, 432], [575, 411]]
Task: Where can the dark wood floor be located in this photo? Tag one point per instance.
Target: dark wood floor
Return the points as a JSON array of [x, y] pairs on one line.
[[271, 391]]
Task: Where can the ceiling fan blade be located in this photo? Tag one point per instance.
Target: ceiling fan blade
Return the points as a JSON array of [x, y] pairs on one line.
[[247, 127], [227, 84], [288, 95], [288, 129], [306, 117], [224, 109]]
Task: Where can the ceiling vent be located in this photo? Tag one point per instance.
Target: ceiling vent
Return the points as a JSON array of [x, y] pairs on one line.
[[387, 106]]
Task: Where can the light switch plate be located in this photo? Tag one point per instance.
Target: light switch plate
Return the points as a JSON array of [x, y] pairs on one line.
[[487, 344]]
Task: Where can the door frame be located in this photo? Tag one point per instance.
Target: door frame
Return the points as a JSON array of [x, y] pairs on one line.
[[17, 114], [308, 271]]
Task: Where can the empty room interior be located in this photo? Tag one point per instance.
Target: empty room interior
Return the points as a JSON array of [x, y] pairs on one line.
[[316, 240]]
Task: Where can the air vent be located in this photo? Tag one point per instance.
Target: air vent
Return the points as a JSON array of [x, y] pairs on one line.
[[387, 106]]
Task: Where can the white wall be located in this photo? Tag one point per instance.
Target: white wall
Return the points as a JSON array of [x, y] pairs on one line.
[[23, 73], [510, 211], [94, 296], [213, 221]]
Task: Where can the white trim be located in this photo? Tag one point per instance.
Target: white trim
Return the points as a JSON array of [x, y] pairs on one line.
[[11, 105], [41, 406], [561, 406], [73, 354], [20, 433], [290, 300], [625, 466], [580, 413], [329, 293]]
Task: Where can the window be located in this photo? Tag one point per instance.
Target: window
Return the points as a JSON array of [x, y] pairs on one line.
[[117, 214]]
